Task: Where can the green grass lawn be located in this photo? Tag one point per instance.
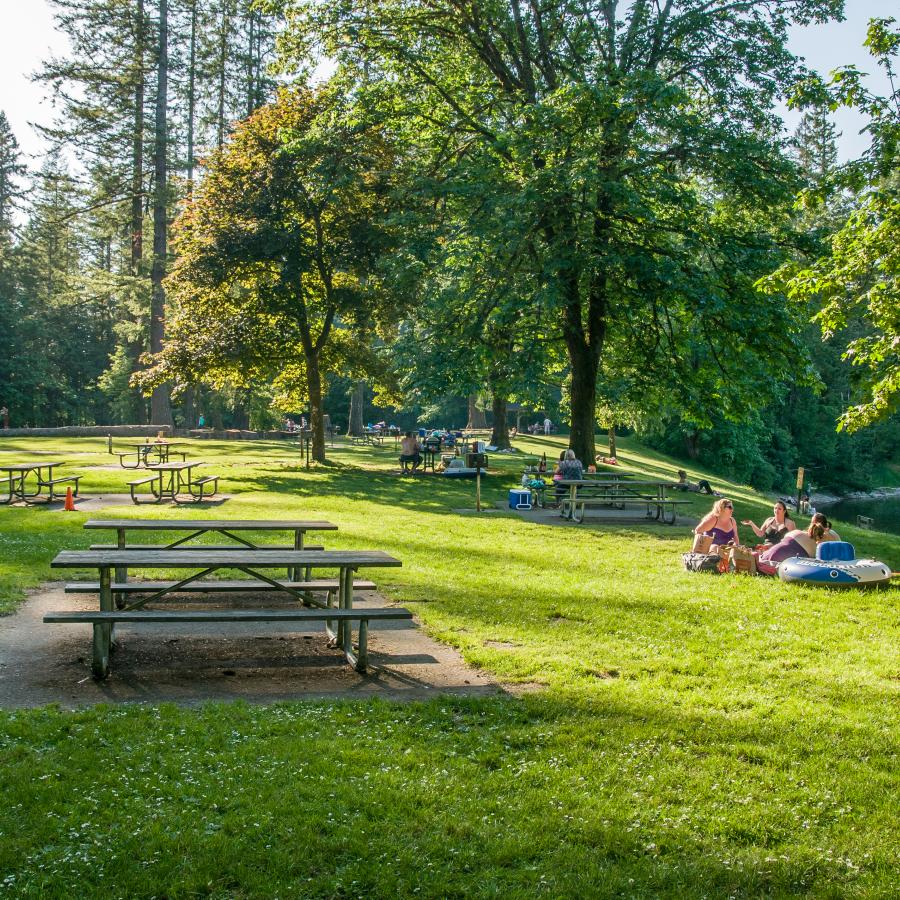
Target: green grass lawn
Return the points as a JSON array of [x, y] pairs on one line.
[[695, 735]]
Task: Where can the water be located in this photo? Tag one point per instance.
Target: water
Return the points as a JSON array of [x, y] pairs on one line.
[[886, 512]]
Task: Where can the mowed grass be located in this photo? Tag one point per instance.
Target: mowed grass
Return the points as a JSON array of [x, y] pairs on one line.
[[680, 735]]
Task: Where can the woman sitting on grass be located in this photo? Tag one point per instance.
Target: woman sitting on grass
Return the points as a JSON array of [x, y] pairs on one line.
[[719, 523], [796, 543], [775, 527]]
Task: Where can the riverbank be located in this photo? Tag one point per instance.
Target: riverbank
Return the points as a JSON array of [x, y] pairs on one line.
[[885, 493]]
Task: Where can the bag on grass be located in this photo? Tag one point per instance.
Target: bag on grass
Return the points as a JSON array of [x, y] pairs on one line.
[[702, 543], [700, 562], [742, 560]]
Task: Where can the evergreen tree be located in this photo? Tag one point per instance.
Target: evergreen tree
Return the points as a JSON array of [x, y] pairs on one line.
[[815, 141]]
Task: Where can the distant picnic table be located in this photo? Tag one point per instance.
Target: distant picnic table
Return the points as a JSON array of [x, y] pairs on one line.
[[18, 487], [616, 493], [180, 481], [161, 450]]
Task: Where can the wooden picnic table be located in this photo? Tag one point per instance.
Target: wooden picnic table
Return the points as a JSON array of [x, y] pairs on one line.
[[179, 480], [251, 562], [17, 476], [585, 492]]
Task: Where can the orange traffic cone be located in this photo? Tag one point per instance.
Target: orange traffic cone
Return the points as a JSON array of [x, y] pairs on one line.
[[70, 500]]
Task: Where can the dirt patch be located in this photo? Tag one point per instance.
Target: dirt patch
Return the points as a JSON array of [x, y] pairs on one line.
[[192, 664], [501, 645]]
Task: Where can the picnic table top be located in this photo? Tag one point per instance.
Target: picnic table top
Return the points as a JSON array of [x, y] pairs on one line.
[[213, 524], [200, 559], [174, 466], [28, 467], [156, 444], [594, 482]]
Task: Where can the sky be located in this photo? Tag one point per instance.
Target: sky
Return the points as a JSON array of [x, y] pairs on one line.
[[27, 37]]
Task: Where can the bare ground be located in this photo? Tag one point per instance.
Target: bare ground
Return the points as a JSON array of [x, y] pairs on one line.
[[192, 664]]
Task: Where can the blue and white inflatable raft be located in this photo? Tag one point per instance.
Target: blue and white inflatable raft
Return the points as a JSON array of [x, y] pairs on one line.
[[835, 565]]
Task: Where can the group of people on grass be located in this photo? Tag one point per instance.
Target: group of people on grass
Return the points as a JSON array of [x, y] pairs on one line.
[[781, 538]]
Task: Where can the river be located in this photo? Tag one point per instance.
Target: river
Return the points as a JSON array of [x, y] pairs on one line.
[[884, 510]]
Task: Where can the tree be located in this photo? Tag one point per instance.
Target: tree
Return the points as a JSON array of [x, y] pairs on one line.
[[617, 132], [859, 279], [275, 247], [11, 171], [160, 411]]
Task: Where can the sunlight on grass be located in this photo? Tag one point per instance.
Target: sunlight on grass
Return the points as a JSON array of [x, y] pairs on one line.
[[696, 735]]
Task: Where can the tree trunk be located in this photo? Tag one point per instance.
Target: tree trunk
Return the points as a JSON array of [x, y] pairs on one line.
[[137, 145], [583, 400], [500, 432], [316, 413], [612, 441], [477, 420], [192, 99], [160, 409], [692, 444], [222, 62], [355, 426]]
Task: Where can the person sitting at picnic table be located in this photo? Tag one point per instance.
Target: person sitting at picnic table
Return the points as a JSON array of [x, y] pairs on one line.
[[719, 523], [567, 469], [702, 486], [775, 527], [409, 451], [796, 543]]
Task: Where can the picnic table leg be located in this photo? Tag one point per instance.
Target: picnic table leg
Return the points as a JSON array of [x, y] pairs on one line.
[[121, 571], [102, 631]]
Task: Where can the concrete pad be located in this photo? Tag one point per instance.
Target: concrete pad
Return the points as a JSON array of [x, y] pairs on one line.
[[193, 663], [593, 516]]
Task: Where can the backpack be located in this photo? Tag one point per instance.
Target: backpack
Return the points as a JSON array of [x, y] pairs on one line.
[[700, 562]]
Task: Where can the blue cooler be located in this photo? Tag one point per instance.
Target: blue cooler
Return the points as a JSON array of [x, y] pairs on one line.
[[520, 499], [422, 432]]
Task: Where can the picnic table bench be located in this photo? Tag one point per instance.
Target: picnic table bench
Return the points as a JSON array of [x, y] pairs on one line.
[[17, 475], [585, 494], [249, 561]]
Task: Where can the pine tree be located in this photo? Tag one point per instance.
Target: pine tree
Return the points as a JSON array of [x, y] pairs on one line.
[[11, 170], [816, 144]]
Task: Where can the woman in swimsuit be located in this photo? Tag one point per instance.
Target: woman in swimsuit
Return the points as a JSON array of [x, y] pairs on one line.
[[720, 523], [796, 543], [775, 527]]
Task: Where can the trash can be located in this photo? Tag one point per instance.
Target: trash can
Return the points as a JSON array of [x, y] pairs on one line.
[[519, 499]]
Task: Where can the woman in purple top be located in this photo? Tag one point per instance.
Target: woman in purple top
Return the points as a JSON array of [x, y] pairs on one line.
[[720, 523], [795, 543]]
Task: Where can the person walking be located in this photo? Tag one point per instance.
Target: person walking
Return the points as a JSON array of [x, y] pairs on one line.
[[547, 425], [4, 415]]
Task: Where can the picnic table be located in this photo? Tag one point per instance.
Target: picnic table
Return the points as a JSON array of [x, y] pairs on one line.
[[200, 527], [142, 452], [618, 493], [180, 480], [251, 562], [17, 476]]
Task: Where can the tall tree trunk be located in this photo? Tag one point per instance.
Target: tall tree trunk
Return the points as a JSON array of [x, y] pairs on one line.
[[160, 409], [192, 98], [357, 401], [612, 441], [251, 39], [222, 63], [583, 397], [316, 413], [137, 144], [500, 432], [477, 420]]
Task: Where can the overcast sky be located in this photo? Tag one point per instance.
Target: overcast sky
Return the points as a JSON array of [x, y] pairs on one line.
[[27, 36]]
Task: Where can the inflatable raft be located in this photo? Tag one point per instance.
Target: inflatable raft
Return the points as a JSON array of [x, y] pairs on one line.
[[835, 566]]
